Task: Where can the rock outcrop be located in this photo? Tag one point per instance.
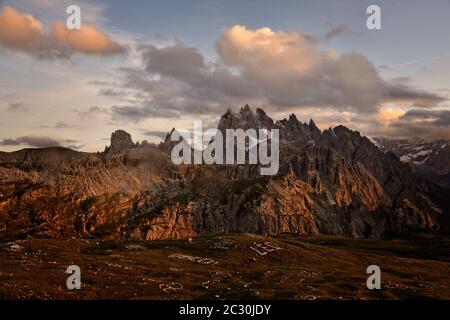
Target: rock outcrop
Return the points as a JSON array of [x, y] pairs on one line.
[[120, 141]]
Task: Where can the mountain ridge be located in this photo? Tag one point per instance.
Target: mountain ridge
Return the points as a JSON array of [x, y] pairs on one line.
[[330, 182], [427, 157]]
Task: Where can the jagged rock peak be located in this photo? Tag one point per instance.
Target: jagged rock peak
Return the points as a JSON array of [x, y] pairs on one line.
[[313, 127], [246, 109], [264, 119], [246, 113], [120, 141], [231, 120], [229, 113], [168, 135], [260, 113], [293, 118], [246, 118]]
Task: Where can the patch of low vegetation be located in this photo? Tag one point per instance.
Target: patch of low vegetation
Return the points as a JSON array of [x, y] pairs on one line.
[[87, 203]]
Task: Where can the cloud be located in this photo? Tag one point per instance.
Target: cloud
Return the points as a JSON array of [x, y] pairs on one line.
[[292, 72], [434, 117], [73, 144], [40, 142], [422, 123], [32, 141], [117, 94], [91, 112], [157, 134], [177, 80], [334, 31], [388, 115], [141, 112], [87, 40], [17, 107], [400, 92], [21, 31], [282, 71], [76, 147], [59, 125], [71, 141]]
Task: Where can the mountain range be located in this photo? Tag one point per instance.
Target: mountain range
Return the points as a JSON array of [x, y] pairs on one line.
[[334, 182], [428, 158]]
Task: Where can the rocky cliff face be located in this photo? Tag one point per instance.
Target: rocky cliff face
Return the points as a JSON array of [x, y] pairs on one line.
[[330, 182]]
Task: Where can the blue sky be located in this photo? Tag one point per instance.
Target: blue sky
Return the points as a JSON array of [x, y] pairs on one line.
[[412, 30], [87, 94]]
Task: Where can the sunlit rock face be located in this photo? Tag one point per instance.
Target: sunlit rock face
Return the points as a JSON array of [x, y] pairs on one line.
[[330, 182]]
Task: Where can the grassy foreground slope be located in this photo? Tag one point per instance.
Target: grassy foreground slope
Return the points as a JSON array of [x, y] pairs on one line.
[[238, 266]]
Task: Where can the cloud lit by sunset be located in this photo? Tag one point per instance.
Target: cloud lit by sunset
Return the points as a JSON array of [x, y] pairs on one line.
[[19, 30]]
